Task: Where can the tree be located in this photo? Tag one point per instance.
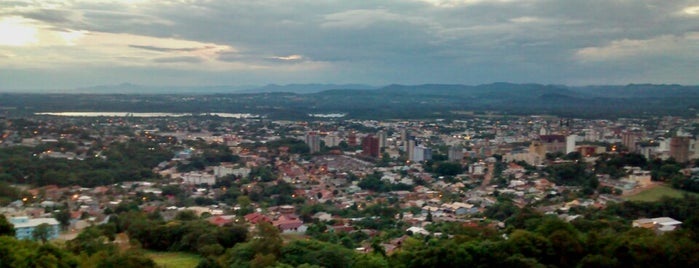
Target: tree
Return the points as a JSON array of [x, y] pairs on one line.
[[6, 228], [186, 215], [63, 217], [447, 168], [42, 232]]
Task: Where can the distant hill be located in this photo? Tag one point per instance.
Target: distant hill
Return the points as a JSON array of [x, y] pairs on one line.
[[128, 88], [639, 91], [393, 101], [305, 88]]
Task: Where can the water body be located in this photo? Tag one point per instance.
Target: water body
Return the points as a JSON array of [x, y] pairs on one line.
[[327, 115], [125, 114]]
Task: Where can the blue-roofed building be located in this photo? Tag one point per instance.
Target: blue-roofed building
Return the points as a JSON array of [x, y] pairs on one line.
[[24, 227]]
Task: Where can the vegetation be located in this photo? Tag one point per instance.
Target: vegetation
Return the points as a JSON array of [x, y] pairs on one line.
[[130, 161], [435, 101], [657, 193], [174, 259], [601, 238]]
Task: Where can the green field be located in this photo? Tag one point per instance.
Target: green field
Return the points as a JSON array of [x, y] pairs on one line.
[[658, 192], [174, 259]]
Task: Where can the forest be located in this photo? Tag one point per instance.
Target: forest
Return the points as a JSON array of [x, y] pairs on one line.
[[600, 238]]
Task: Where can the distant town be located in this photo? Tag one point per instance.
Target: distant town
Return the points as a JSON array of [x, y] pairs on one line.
[[361, 181]]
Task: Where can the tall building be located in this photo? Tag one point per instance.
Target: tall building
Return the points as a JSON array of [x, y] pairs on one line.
[[456, 153], [313, 142], [629, 140], [382, 139], [679, 148], [352, 139], [404, 137], [370, 146], [421, 153], [570, 143], [410, 149], [331, 140]]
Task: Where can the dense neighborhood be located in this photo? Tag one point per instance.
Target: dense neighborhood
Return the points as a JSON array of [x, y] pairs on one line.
[[364, 184]]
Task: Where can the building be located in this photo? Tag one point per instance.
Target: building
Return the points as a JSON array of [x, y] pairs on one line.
[[352, 139], [382, 139], [226, 170], [570, 143], [313, 142], [642, 177], [331, 140], [421, 153], [553, 143], [694, 149], [679, 148], [537, 148], [24, 227], [660, 225], [370, 146], [629, 140], [404, 137], [410, 149], [456, 153], [198, 178]]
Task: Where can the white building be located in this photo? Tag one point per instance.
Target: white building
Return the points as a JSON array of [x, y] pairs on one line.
[[421, 153], [198, 178], [24, 227], [570, 143]]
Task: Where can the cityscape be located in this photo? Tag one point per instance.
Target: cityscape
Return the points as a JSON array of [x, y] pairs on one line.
[[363, 185], [345, 134]]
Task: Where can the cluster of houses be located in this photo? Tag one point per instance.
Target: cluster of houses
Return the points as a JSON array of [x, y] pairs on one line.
[[332, 177]]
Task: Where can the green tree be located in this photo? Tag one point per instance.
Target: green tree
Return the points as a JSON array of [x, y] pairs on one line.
[[42, 232], [6, 228]]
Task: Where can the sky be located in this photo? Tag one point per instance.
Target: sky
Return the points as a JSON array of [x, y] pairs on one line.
[[48, 44]]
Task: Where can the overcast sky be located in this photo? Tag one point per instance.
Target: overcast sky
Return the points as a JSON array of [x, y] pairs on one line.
[[78, 43]]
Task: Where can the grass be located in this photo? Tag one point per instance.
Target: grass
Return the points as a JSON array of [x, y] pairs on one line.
[[655, 193], [174, 259]]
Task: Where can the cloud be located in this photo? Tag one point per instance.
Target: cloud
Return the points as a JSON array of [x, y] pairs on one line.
[[185, 59], [17, 31], [666, 45], [359, 19], [294, 57], [168, 49], [375, 42], [693, 10]]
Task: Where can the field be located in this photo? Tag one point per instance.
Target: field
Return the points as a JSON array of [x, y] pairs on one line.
[[656, 193], [174, 259]]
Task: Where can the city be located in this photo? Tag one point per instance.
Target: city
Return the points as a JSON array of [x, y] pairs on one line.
[[365, 185], [349, 134]]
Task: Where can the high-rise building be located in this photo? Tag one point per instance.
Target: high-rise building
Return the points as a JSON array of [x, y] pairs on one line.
[[404, 138], [381, 135], [456, 153], [331, 140], [410, 149], [570, 143], [421, 153], [679, 148], [629, 140], [370, 146], [313, 142], [352, 139]]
